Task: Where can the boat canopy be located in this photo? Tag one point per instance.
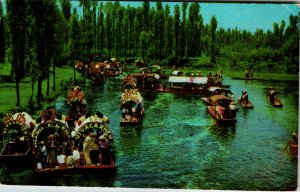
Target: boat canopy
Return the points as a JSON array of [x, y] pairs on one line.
[[50, 128], [219, 97], [196, 80], [219, 89], [176, 73], [131, 95], [92, 126]]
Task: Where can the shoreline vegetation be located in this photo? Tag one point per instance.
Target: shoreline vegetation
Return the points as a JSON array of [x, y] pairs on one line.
[[65, 76]]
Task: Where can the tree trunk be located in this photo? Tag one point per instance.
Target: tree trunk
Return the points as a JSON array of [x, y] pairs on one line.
[[53, 65]]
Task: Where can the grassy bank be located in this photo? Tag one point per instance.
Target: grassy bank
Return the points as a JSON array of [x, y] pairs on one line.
[[8, 90]]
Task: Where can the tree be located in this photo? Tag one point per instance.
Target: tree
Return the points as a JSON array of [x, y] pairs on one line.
[[16, 15], [2, 36], [213, 26], [177, 29], [66, 8]]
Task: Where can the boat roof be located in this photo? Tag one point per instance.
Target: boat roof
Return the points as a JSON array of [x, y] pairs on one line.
[[177, 72], [131, 95], [219, 97], [213, 88], [196, 80]]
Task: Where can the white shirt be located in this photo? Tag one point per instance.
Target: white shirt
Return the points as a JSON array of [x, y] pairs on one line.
[[76, 155], [61, 159]]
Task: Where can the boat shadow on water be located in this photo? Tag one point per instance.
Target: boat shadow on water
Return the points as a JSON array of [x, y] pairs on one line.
[[223, 132]]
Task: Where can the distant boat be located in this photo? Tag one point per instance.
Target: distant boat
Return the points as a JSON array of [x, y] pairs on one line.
[[276, 101], [247, 105]]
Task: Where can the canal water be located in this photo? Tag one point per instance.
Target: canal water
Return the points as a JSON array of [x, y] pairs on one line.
[[179, 146]]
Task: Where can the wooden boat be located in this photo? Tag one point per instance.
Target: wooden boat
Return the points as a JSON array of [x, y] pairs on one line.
[[16, 137], [273, 99], [248, 105], [76, 103], [213, 90], [55, 135], [100, 158], [132, 107], [221, 110], [249, 78], [276, 103]]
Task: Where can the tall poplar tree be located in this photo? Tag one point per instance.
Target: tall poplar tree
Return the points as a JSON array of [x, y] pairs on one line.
[[213, 27], [2, 36]]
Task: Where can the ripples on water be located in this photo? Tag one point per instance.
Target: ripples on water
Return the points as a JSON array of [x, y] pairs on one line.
[[178, 144]]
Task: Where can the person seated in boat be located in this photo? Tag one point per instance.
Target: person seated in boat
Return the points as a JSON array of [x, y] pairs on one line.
[[102, 118], [51, 148], [43, 154], [272, 95], [232, 109], [75, 155], [210, 79], [104, 149], [61, 159], [220, 109]]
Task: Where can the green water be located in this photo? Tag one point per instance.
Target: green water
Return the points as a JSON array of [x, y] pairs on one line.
[[179, 146]]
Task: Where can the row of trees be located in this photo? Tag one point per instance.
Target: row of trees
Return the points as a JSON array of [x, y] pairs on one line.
[[38, 35]]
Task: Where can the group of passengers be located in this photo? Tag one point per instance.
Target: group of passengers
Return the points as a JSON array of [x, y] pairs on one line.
[[215, 79], [91, 150]]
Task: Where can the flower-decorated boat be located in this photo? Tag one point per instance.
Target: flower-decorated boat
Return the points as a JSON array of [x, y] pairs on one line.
[[76, 103], [95, 143], [221, 111], [132, 107], [16, 137], [51, 138]]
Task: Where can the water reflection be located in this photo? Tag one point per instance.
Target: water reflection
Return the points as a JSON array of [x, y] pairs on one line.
[[223, 132]]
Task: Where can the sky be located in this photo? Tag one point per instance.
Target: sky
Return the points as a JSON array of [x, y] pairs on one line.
[[248, 16]]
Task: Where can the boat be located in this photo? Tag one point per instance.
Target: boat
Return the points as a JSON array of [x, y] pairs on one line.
[[53, 136], [293, 145], [16, 138], [76, 103], [132, 107], [273, 99], [214, 90], [245, 105], [98, 137], [248, 78], [294, 150], [221, 110]]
